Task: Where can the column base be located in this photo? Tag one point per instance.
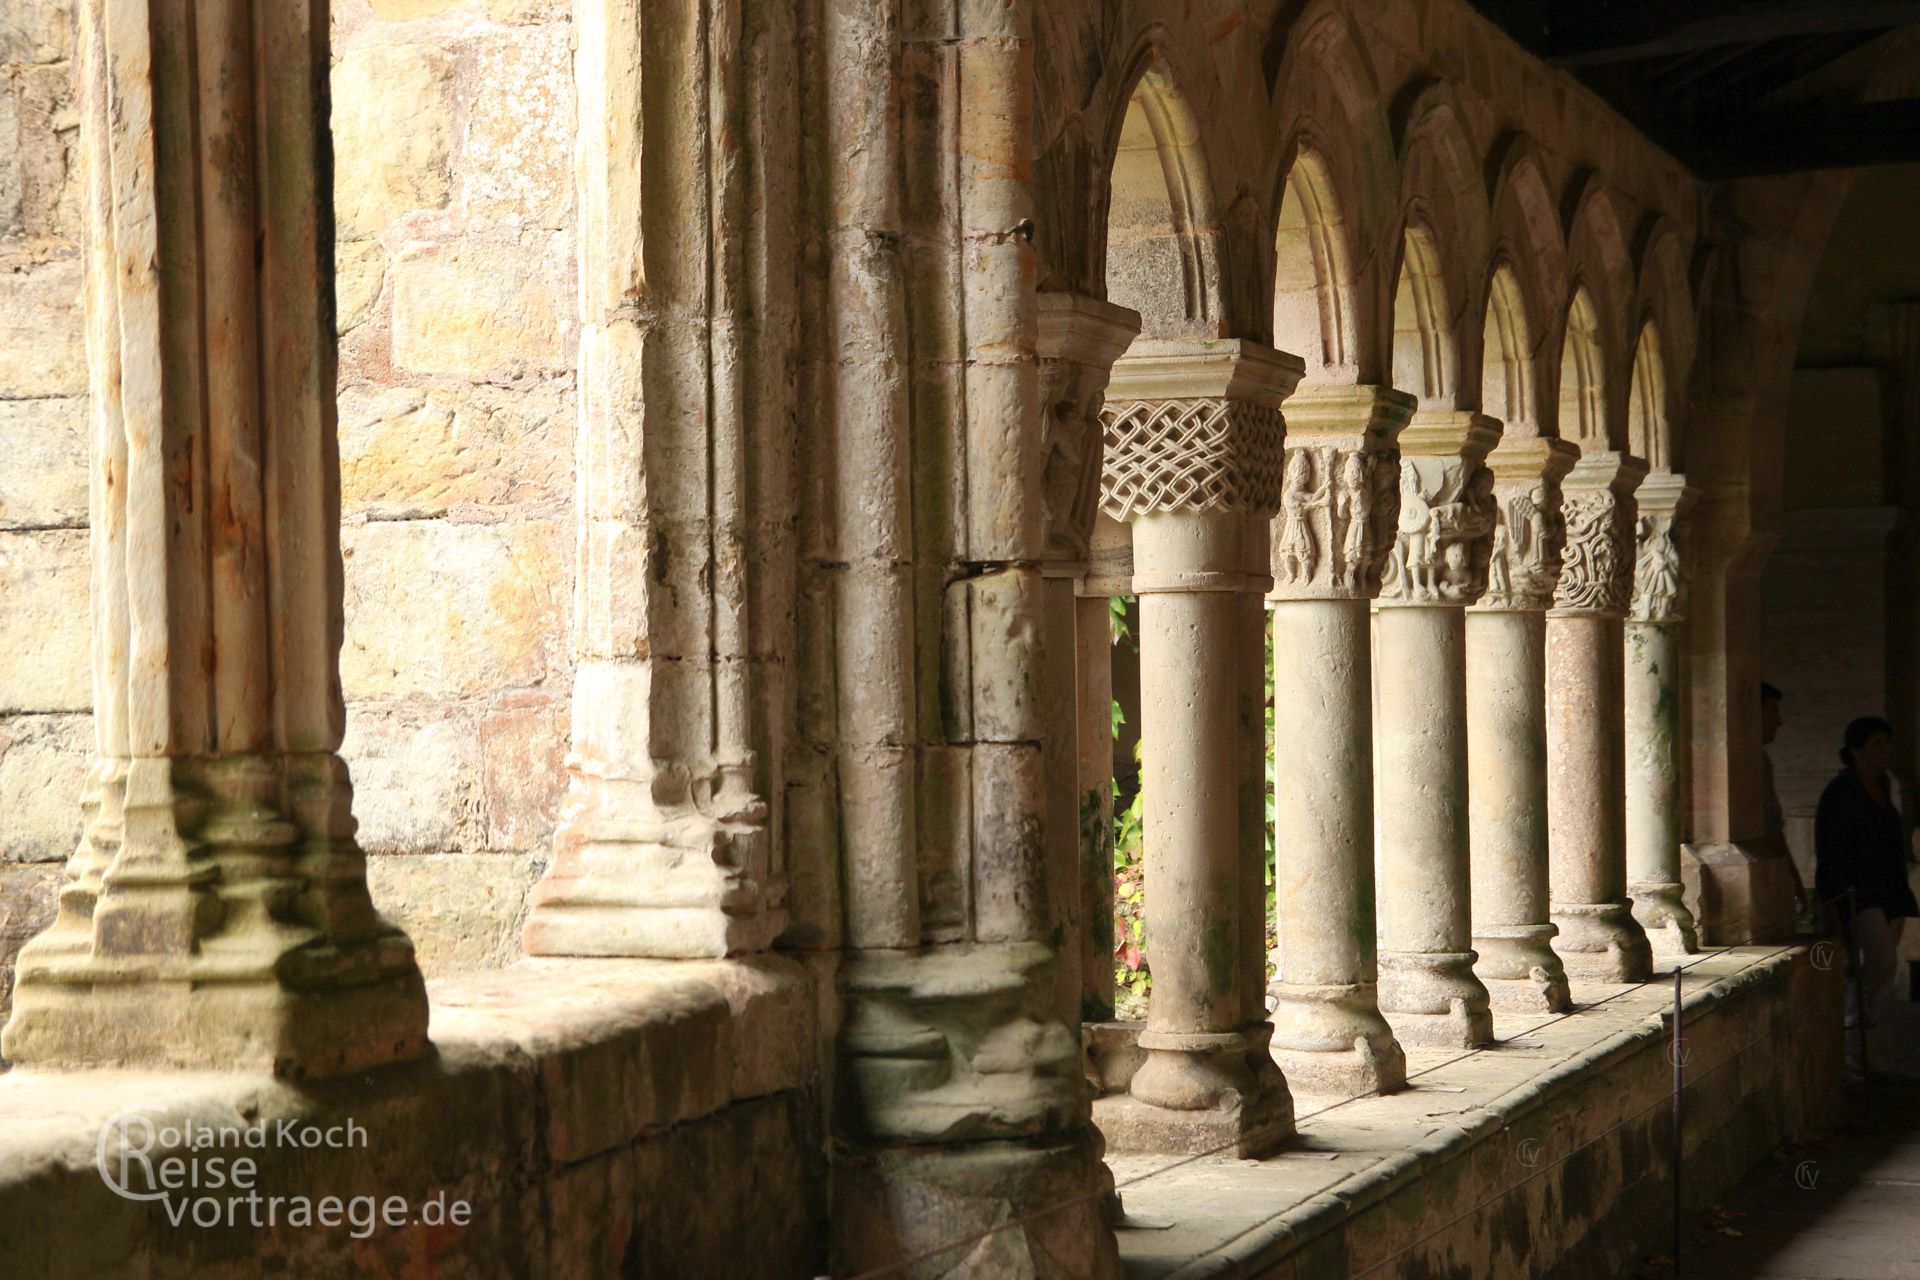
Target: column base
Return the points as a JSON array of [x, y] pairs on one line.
[[1022, 1210], [1664, 917], [1200, 1093], [1740, 894], [1520, 969], [1331, 1039], [1432, 998], [1602, 942], [652, 885]]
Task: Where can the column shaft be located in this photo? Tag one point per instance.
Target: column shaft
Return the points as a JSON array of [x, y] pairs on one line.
[[1427, 984], [1093, 677], [216, 911], [1586, 801], [1329, 1036]]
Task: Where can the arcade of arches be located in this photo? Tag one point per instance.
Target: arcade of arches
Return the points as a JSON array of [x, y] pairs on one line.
[[677, 456]]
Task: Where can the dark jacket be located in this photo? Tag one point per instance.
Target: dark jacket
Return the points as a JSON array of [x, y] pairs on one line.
[[1860, 844]]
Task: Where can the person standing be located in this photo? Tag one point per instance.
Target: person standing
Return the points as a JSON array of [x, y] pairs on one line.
[[1861, 871], [1770, 722]]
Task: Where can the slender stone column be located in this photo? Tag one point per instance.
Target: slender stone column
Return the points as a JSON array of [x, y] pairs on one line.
[[1654, 691], [1194, 453], [1437, 567], [1330, 543], [1507, 731], [1079, 339], [216, 911], [1586, 800]]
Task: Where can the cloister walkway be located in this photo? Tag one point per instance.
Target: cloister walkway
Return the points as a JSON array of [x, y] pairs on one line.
[[1847, 1208]]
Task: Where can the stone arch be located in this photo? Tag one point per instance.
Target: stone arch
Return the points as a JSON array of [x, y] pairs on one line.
[[1425, 353], [1599, 261], [1583, 413], [1508, 355], [1162, 230], [1444, 202], [1314, 304], [1648, 416], [1335, 182], [1664, 303], [1527, 283]]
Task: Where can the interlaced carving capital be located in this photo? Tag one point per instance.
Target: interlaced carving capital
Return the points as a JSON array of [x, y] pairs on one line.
[[1336, 523], [1206, 453], [1596, 569], [1657, 586], [1444, 532], [1524, 564]]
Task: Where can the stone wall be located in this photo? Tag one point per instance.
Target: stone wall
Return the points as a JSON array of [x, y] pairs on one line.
[[453, 134], [45, 734]]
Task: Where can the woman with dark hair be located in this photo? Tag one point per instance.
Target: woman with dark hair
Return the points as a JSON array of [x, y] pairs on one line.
[[1861, 870]]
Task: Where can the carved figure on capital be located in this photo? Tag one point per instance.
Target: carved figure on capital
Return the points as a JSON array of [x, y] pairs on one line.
[[1328, 539], [1527, 537], [1071, 472], [1444, 532], [1656, 571]]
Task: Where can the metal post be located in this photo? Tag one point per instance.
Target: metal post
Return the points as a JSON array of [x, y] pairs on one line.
[[1679, 1082]]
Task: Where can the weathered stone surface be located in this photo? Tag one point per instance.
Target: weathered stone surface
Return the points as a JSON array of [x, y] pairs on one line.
[[41, 353], [408, 10], [359, 272], [406, 452], [43, 628], [392, 130], [39, 169], [43, 761], [462, 910], [29, 894], [44, 478], [436, 609], [480, 309], [515, 160], [41, 31], [415, 776], [523, 748]]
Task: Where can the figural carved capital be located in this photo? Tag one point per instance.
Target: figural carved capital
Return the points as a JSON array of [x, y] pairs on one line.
[[1530, 528], [1196, 426], [1079, 339], [1444, 528], [1596, 564], [1658, 580], [1340, 493]]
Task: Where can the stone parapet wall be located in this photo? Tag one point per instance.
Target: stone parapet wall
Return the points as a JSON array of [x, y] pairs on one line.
[[599, 1117]]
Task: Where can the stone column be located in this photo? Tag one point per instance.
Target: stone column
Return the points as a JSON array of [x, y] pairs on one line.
[[1329, 545], [1194, 453], [1654, 689], [1586, 800], [665, 844], [216, 911], [1079, 339], [1507, 731], [1437, 567]]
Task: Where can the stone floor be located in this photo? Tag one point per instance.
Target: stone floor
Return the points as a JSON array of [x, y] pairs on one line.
[[1843, 1208], [1204, 1216]]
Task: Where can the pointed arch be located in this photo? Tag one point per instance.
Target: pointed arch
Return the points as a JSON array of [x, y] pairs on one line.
[[1425, 354], [1583, 416], [1598, 259], [1507, 347], [1446, 236], [1666, 306], [1162, 230], [1648, 432], [1334, 196]]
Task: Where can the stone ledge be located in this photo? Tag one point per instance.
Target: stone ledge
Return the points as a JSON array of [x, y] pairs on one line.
[[1550, 1151], [553, 1080]]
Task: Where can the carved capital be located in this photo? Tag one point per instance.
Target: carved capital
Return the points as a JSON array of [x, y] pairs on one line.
[[1196, 426], [1596, 569], [1658, 579], [1523, 565], [1079, 339], [1445, 521], [1340, 493]]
